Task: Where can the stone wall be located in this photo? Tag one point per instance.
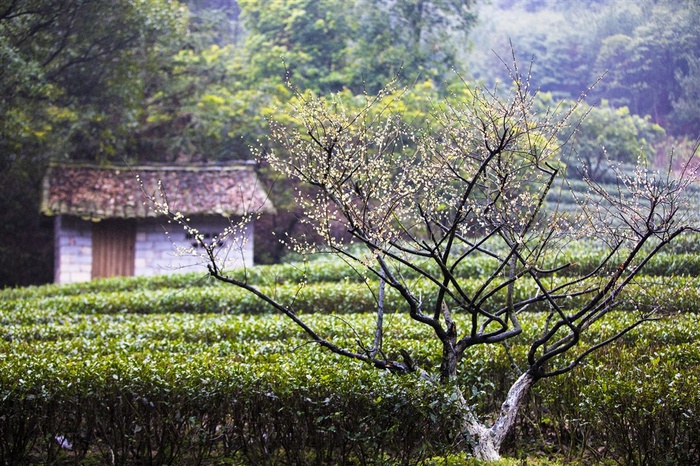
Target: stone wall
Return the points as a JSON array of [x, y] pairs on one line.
[[168, 248], [160, 248], [73, 250]]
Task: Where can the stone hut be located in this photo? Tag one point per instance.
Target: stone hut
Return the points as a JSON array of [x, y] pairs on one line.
[[106, 224]]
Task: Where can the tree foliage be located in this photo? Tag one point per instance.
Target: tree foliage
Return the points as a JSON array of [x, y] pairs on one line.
[[416, 40], [69, 90], [647, 67], [79, 82], [645, 50], [361, 45], [601, 135]]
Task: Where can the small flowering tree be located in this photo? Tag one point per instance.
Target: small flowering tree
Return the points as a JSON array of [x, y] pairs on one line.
[[482, 181]]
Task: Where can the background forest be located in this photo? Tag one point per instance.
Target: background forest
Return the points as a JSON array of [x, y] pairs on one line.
[[195, 81]]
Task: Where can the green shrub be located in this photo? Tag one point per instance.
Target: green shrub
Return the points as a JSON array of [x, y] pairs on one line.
[[180, 369], [158, 409], [634, 402], [672, 294], [164, 388]]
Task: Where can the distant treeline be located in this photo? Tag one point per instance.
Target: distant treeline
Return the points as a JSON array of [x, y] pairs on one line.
[[163, 81]]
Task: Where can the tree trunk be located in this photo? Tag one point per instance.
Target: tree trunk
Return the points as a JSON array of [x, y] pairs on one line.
[[448, 366], [487, 441]]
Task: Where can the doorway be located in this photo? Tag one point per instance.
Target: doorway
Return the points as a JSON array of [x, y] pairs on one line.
[[113, 246]]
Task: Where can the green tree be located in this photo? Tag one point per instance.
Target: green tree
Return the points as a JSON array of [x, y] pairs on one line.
[[362, 45], [686, 112], [302, 40], [417, 40], [645, 51], [69, 90], [652, 66], [603, 134], [561, 54], [85, 79]]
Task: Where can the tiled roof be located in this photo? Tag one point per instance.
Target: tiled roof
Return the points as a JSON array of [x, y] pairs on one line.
[[99, 192]]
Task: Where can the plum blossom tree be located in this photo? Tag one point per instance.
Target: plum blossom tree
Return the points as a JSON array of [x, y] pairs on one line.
[[397, 203]]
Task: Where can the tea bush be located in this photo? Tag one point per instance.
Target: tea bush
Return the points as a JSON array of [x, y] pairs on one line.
[[674, 294], [160, 408], [683, 259], [179, 370], [634, 405]]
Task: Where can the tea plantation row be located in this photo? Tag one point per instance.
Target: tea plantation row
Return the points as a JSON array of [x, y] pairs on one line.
[[680, 260], [139, 371], [676, 294]]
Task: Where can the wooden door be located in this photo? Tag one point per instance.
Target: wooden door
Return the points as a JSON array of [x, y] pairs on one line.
[[113, 245]]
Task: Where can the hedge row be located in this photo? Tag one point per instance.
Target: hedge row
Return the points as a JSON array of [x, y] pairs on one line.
[[168, 409], [148, 389], [626, 405], [182, 370], [680, 260], [672, 294]]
